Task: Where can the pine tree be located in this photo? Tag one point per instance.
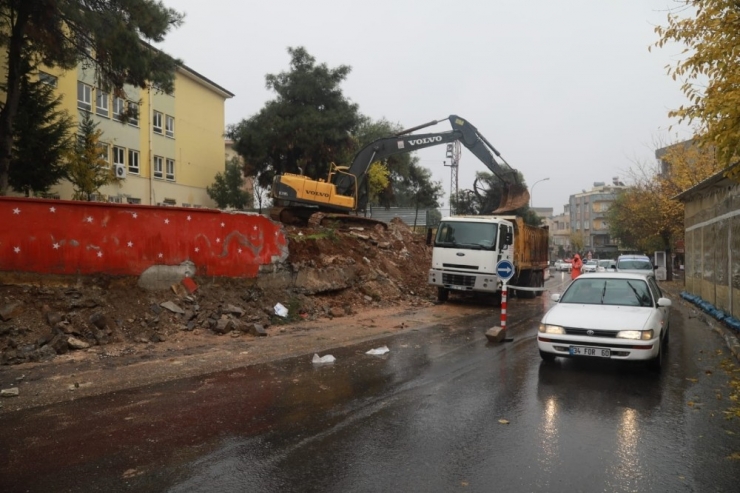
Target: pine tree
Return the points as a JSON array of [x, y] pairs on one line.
[[41, 137], [86, 168], [228, 188]]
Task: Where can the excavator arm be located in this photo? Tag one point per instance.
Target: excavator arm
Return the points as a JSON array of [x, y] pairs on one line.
[[515, 194]]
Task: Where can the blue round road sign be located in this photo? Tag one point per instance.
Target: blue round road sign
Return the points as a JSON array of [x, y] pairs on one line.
[[505, 270]]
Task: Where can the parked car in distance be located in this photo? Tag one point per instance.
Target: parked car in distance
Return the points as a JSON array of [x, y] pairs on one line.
[[607, 265], [589, 266], [612, 316], [563, 265], [635, 264]]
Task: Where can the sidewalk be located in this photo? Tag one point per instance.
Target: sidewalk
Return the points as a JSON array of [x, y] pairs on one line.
[[674, 289]]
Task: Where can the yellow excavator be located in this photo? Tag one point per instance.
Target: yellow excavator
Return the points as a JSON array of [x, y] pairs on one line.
[[298, 198]]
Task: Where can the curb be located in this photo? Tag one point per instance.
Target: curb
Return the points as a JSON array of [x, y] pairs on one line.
[[726, 327]]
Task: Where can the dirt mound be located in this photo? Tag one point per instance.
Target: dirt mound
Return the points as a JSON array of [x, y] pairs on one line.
[[329, 273]]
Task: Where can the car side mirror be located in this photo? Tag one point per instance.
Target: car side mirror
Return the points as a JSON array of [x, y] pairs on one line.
[[664, 302], [556, 297]]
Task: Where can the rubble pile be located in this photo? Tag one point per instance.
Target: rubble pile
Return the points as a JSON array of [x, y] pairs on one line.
[[329, 272]]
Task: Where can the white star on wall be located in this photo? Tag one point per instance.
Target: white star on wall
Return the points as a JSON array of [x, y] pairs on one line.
[[239, 250], [56, 246], [218, 240], [100, 254], [197, 249], [160, 255], [189, 218], [16, 211], [166, 221], [222, 225], [254, 228], [52, 209], [89, 219], [17, 249], [134, 215], [130, 244]]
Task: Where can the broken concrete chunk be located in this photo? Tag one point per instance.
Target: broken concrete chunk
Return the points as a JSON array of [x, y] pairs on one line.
[[257, 330], [75, 343], [169, 305], [234, 310], [13, 392], [10, 310]]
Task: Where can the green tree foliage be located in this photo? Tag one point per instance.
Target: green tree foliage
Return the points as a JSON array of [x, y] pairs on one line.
[[709, 69], [41, 137], [104, 35], [228, 188], [306, 127], [87, 169]]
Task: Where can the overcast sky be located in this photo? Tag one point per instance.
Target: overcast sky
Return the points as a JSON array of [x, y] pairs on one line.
[[564, 90]]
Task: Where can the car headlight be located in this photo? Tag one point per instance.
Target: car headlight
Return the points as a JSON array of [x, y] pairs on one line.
[[644, 335], [551, 329]]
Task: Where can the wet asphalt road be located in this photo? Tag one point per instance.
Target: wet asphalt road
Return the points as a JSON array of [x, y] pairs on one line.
[[424, 417]]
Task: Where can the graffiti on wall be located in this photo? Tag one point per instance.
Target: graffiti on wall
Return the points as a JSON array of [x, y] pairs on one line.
[[66, 237]]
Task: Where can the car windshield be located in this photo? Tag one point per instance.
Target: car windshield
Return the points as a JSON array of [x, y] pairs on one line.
[[622, 292], [605, 263], [591, 262], [634, 264]]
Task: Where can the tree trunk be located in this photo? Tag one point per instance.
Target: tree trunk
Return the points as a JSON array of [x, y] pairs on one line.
[[13, 93]]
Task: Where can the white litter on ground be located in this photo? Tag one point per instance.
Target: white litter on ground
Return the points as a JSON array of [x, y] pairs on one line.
[[378, 351], [323, 359]]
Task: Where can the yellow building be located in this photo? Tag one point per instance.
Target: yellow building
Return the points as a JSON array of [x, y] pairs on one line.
[[169, 153]]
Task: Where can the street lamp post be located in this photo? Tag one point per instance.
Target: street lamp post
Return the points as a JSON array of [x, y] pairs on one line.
[[531, 191]]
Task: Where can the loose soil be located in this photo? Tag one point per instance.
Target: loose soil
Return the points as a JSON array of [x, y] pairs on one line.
[[132, 340]]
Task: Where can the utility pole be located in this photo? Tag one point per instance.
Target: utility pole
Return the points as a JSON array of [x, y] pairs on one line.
[[453, 154]]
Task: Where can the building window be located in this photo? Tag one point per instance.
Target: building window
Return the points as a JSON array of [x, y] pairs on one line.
[[104, 153], [157, 122], [118, 108], [119, 155], [133, 110], [101, 104], [48, 79], [133, 200], [84, 96], [585, 225], [133, 162], [169, 126], [157, 167], [170, 169]]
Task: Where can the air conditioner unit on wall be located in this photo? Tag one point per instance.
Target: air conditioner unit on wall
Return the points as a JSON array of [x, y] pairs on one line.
[[120, 170]]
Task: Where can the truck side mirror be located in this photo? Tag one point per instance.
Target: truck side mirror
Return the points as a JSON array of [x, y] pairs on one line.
[[509, 238]]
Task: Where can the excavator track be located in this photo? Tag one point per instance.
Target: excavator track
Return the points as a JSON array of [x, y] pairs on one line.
[[310, 217]]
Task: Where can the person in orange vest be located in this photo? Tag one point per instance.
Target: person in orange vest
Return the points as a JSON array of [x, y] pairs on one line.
[[577, 264]]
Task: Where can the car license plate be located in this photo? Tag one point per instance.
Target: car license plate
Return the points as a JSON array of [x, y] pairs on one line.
[[459, 288], [590, 351]]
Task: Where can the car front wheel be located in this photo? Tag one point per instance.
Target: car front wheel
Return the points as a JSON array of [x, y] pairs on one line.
[[547, 356], [656, 364]]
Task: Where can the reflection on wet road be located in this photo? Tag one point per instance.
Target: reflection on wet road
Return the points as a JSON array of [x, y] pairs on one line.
[[424, 417]]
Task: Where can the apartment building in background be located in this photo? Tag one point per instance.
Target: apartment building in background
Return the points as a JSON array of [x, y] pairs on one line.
[[588, 218], [165, 155], [560, 231]]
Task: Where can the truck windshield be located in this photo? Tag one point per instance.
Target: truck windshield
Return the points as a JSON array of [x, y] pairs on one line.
[[481, 236]]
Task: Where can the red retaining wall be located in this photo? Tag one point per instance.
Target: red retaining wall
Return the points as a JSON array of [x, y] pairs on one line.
[[71, 237]]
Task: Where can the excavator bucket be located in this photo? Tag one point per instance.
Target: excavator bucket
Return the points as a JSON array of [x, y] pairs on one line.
[[514, 196]]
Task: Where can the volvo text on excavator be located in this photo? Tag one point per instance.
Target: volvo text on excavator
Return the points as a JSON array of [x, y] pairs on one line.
[[297, 197]]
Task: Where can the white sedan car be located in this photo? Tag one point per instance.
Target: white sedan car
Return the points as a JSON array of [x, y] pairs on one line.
[[590, 266], [612, 316]]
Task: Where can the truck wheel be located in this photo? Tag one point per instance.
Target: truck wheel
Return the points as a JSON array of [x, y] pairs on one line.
[[540, 282], [529, 281], [442, 294]]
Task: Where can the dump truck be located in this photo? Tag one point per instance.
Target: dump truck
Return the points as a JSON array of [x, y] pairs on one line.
[[466, 250]]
